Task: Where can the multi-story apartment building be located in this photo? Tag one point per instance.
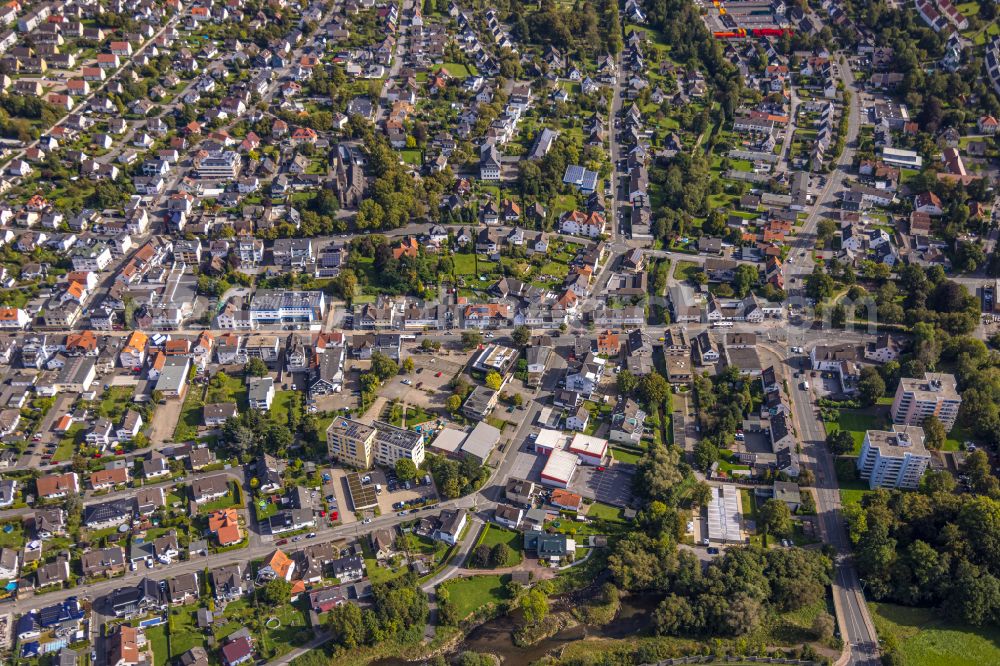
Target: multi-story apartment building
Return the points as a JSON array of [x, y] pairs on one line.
[[393, 444], [894, 459], [94, 258], [219, 164], [279, 306], [359, 445], [934, 395], [351, 442]]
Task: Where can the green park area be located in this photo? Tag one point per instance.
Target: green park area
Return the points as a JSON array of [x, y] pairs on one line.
[[472, 593], [924, 637]]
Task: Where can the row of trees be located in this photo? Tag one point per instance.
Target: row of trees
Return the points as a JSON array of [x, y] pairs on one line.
[[399, 609], [455, 478], [934, 547]]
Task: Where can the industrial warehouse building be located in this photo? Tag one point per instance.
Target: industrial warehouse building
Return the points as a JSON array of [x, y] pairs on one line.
[[559, 469]]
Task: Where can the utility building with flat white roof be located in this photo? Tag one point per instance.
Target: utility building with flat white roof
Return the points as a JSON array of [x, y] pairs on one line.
[[724, 519], [591, 450], [449, 441], [548, 441], [559, 469]]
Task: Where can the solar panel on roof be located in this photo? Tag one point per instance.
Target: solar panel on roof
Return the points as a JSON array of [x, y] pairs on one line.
[[574, 174]]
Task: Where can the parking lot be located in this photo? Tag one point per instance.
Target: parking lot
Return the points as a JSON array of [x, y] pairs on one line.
[[756, 442], [611, 486], [428, 383], [387, 498], [337, 487], [527, 465]]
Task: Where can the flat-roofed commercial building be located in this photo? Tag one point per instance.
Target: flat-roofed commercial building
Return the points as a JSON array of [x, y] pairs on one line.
[[907, 159], [559, 469], [480, 442], [495, 357], [351, 442], [172, 382], [894, 459], [724, 519], [281, 306], [591, 450], [480, 403], [548, 440], [363, 495], [448, 441], [934, 395]]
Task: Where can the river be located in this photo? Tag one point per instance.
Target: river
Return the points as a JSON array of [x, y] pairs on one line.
[[495, 636]]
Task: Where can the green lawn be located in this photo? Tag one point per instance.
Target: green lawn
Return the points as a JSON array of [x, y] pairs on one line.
[[685, 270], [283, 400], [157, 636], [857, 422], [495, 534], [749, 507], [852, 490], [13, 539], [412, 156], [67, 443], [925, 638], [226, 388], [554, 268], [184, 631], [471, 594], [625, 455], [465, 264], [114, 402], [456, 69], [968, 8], [956, 438], [266, 511], [853, 495], [292, 632], [602, 511]]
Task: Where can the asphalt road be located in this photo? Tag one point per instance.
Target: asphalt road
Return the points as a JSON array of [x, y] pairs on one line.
[[852, 613]]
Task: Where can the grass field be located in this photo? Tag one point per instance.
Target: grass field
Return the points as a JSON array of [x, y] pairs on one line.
[[956, 437], [457, 70], [852, 490], [925, 638], [602, 511], [857, 422], [157, 636], [184, 632], [283, 400], [470, 594], [494, 534], [67, 443], [625, 455], [114, 402], [685, 270], [14, 538], [412, 156], [465, 264]]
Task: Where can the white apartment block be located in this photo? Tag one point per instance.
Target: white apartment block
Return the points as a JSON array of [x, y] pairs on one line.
[[934, 395], [894, 459], [392, 444]]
